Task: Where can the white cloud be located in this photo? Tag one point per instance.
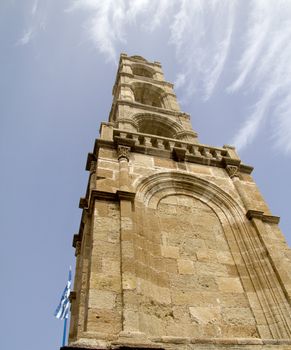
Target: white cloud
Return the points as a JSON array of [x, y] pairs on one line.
[[201, 33], [34, 7], [109, 19], [254, 122], [26, 38], [180, 80], [201, 45], [264, 68], [36, 19]]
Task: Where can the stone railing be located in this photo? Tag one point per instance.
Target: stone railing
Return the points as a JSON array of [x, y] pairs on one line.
[[140, 141]]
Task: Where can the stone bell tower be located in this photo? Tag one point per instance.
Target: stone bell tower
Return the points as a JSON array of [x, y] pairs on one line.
[[176, 248]]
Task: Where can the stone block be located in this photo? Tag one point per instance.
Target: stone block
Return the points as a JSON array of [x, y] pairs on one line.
[[200, 169], [128, 281], [126, 223], [229, 284], [205, 315], [143, 160], [104, 282], [207, 255], [164, 163], [101, 299], [110, 267], [238, 316], [192, 297], [170, 252], [185, 266], [224, 257], [105, 173]]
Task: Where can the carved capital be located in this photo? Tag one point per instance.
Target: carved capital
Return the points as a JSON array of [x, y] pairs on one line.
[[232, 170], [123, 152]]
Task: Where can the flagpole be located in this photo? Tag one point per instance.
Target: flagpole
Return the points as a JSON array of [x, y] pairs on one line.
[[65, 331]]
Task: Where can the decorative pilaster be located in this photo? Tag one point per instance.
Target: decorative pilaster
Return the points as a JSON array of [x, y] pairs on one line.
[[130, 323], [123, 158]]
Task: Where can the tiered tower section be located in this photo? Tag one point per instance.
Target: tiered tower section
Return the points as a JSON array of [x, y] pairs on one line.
[[176, 248]]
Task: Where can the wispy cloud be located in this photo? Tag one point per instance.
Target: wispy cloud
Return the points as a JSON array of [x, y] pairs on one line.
[[254, 122], [36, 22], [264, 69], [26, 38], [201, 32], [34, 7], [109, 20]]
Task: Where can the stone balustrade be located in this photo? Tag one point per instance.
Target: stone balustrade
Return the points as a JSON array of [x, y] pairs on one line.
[[139, 141]]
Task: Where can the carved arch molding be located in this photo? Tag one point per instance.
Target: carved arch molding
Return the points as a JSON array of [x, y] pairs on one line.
[[270, 310]]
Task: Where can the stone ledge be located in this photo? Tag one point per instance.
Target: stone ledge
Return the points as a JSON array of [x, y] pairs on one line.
[[90, 158], [108, 196], [76, 238], [257, 214], [125, 195], [210, 160]]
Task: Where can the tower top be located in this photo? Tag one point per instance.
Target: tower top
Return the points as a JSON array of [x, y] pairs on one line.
[[143, 101]]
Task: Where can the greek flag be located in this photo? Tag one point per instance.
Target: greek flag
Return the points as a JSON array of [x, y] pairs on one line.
[[62, 311]]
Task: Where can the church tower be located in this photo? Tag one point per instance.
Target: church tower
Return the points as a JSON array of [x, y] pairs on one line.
[[177, 249]]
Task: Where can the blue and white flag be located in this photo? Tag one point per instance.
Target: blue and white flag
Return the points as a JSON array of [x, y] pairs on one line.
[[62, 310]]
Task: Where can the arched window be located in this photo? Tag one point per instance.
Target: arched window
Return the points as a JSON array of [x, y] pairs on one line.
[[148, 94], [142, 71], [156, 125]]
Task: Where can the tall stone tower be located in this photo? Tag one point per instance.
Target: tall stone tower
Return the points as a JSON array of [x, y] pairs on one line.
[[176, 248]]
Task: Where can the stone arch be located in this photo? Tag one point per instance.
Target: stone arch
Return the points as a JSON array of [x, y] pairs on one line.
[[142, 70], [267, 301], [150, 123], [149, 94], [207, 191]]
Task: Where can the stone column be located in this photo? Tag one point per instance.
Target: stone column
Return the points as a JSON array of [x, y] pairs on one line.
[[123, 158]]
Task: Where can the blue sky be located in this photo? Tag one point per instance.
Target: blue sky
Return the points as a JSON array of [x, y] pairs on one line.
[[230, 62]]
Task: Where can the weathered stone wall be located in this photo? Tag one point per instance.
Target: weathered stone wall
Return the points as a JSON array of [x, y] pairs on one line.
[[183, 272], [192, 288]]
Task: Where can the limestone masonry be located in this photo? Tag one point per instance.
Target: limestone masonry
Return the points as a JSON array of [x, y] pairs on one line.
[[176, 249]]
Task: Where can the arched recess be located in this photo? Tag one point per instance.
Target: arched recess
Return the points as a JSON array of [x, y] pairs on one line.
[[150, 123], [149, 94], [142, 70], [263, 309]]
